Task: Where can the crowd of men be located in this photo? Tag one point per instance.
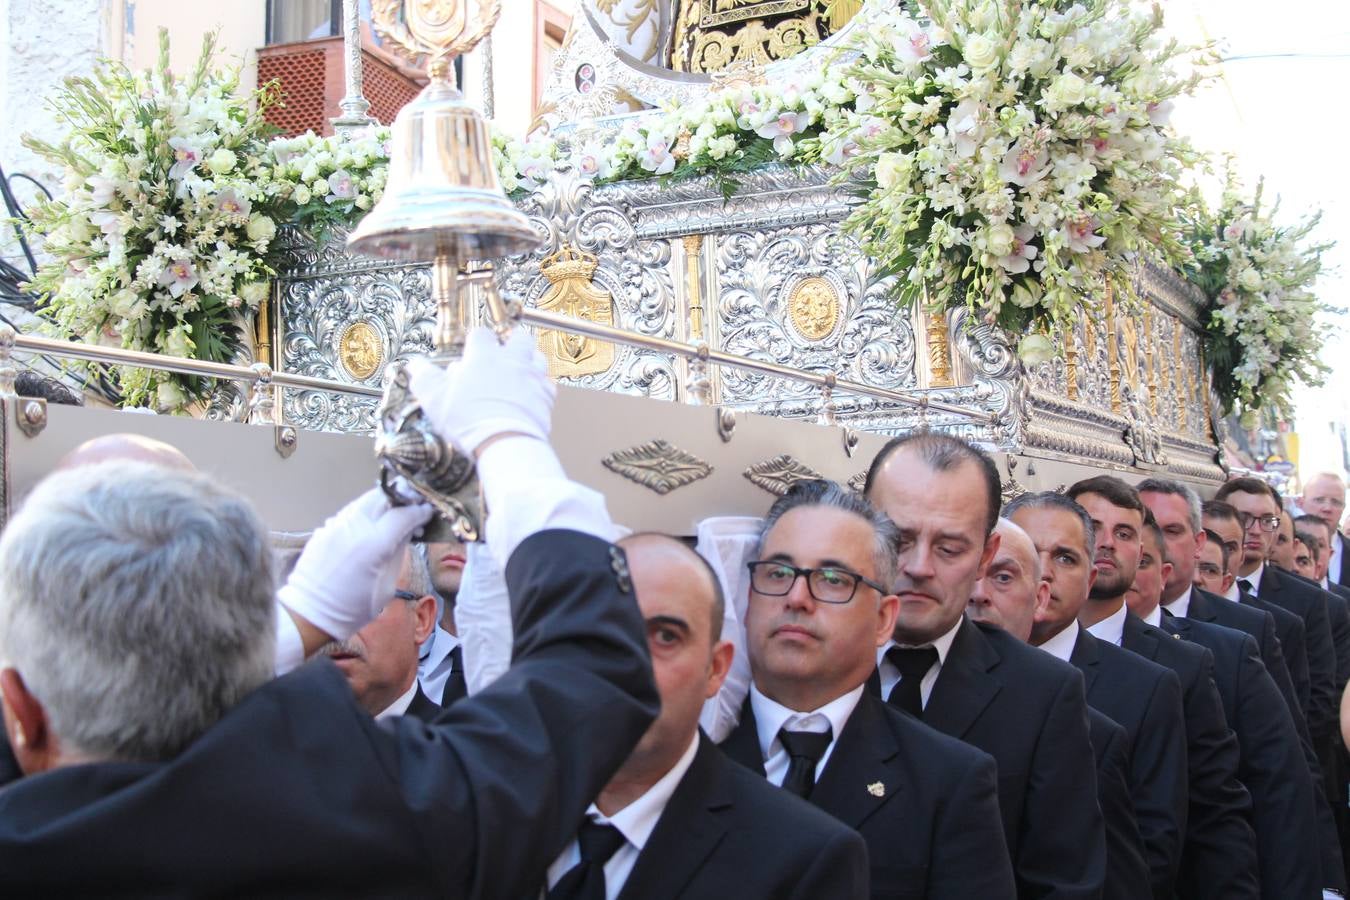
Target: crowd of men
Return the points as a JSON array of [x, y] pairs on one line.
[[1112, 690]]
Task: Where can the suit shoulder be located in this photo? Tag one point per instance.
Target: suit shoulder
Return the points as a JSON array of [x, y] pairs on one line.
[[775, 813], [922, 742], [1127, 665], [1222, 635], [1032, 666]]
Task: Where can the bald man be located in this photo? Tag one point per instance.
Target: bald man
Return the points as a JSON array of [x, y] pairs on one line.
[[1008, 598], [1324, 497]]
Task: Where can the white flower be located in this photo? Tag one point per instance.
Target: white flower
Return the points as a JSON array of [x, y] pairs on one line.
[[1160, 113], [1035, 349], [593, 162], [1249, 280], [1021, 252], [177, 343], [980, 51], [915, 43], [261, 228], [254, 292], [178, 277], [1065, 91], [964, 127], [222, 162], [302, 195], [1080, 234], [232, 204], [999, 238], [187, 153], [781, 128], [1024, 164], [892, 168], [169, 396], [340, 186], [101, 190], [656, 157], [1026, 294]]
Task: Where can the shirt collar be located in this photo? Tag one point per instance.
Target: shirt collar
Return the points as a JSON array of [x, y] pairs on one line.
[[942, 644], [1182, 605], [637, 820], [771, 716], [1255, 579], [1234, 593], [1112, 628], [1061, 645], [1155, 618], [399, 706], [436, 648]]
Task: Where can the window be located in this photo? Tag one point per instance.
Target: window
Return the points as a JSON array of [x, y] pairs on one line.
[[289, 21], [550, 30]]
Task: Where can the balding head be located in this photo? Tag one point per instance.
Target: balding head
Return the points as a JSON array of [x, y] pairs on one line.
[[1008, 594], [1324, 497], [129, 448], [655, 557]]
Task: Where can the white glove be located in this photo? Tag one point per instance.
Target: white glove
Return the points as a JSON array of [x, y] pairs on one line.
[[495, 388], [345, 576]]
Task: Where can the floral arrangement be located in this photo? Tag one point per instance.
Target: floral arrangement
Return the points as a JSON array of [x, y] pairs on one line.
[[322, 182], [159, 241], [525, 165], [1012, 156], [1262, 323]]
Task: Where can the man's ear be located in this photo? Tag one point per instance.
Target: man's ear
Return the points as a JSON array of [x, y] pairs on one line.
[[1228, 579], [722, 655], [424, 611], [1042, 597], [888, 610], [26, 725]]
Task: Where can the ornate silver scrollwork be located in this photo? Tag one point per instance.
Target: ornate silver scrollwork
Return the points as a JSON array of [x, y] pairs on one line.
[[658, 465], [779, 474]]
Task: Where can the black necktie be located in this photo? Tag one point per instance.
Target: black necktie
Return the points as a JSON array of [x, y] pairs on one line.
[[804, 749], [1246, 586], [913, 663], [455, 687], [586, 880]]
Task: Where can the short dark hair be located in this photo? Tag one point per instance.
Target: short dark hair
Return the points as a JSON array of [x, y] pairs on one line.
[[942, 453], [1215, 538], [1218, 509], [33, 384], [831, 494], [1247, 485], [719, 600], [1310, 519], [1112, 489], [1053, 500], [1175, 489], [1310, 540], [1152, 527]]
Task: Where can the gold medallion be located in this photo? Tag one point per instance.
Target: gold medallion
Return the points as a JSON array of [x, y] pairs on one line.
[[574, 294], [360, 350], [813, 307]]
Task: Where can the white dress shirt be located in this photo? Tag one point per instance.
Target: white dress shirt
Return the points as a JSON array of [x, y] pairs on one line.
[[635, 822], [1155, 618], [1254, 579], [1061, 645], [1337, 554], [1112, 628], [771, 716], [890, 675], [1180, 606], [435, 665], [400, 705], [1234, 593]]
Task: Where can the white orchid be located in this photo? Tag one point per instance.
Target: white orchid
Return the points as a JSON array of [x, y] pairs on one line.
[[1021, 252], [1024, 164], [187, 155]]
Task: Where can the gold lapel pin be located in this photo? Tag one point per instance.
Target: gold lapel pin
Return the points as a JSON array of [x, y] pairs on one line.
[[876, 789]]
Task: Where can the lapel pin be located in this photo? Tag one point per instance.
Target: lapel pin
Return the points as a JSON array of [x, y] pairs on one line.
[[876, 789], [1176, 637]]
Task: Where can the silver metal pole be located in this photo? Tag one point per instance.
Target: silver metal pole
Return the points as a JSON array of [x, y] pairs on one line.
[[485, 48], [355, 118]]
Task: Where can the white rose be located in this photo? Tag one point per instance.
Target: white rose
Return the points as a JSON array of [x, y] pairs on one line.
[[221, 162], [1067, 90], [1035, 349], [1250, 280], [302, 195], [980, 52], [169, 396], [261, 228], [1025, 295], [320, 186], [998, 240], [891, 169], [176, 343], [254, 292]]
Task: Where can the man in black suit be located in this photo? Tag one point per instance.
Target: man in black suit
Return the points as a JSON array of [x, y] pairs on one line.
[[1144, 698], [1218, 858], [1320, 535], [1008, 597], [1324, 497], [819, 605], [251, 787], [380, 660], [1258, 506], [680, 818], [978, 683], [1271, 764], [1222, 519]]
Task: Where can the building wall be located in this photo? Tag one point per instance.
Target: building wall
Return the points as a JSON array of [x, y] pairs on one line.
[[241, 24]]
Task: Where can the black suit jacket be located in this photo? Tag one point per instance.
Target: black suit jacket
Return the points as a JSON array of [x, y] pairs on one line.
[[297, 792], [1259, 623], [1272, 765], [421, 707], [725, 826], [1218, 858], [1338, 618], [927, 805], [1026, 709], [1126, 871], [1309, 603], [1293, 643], [1145, 700], [1343, 576]]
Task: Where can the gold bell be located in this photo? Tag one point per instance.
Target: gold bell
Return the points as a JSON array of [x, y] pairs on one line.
[[443, 198]]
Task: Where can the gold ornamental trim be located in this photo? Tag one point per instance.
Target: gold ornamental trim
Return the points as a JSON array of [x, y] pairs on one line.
[[360, 350], [939, 350], [657, 465], [744, 13], [439, 29], [813, 308], [573, 293], [779, 474]]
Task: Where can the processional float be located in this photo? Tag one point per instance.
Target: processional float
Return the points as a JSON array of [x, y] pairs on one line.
[[711, 351]]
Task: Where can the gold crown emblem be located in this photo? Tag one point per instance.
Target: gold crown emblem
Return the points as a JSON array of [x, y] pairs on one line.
[[569, 263]]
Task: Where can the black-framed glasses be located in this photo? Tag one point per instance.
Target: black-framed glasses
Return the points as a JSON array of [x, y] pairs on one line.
[[1267, 523], [827, 584]]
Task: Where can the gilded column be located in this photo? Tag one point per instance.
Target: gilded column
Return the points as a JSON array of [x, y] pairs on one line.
[[1112, 350], [693, 282], [939, 350], [1151, 363], [1071, 362]]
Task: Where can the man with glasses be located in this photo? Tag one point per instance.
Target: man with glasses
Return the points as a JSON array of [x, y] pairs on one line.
[[1259, 515], [977, 683], [926, 804], [1324, 497]]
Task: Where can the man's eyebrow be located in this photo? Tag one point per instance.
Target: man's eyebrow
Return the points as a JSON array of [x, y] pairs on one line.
[[669, 621]]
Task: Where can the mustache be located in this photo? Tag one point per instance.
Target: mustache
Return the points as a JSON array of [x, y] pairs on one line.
[[349, 647]]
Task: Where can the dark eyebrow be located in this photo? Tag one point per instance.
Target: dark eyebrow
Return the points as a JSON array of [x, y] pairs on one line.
[[670, 622]]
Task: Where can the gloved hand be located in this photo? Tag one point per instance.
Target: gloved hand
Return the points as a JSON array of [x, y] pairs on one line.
[[494, 389], [345, 576]]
